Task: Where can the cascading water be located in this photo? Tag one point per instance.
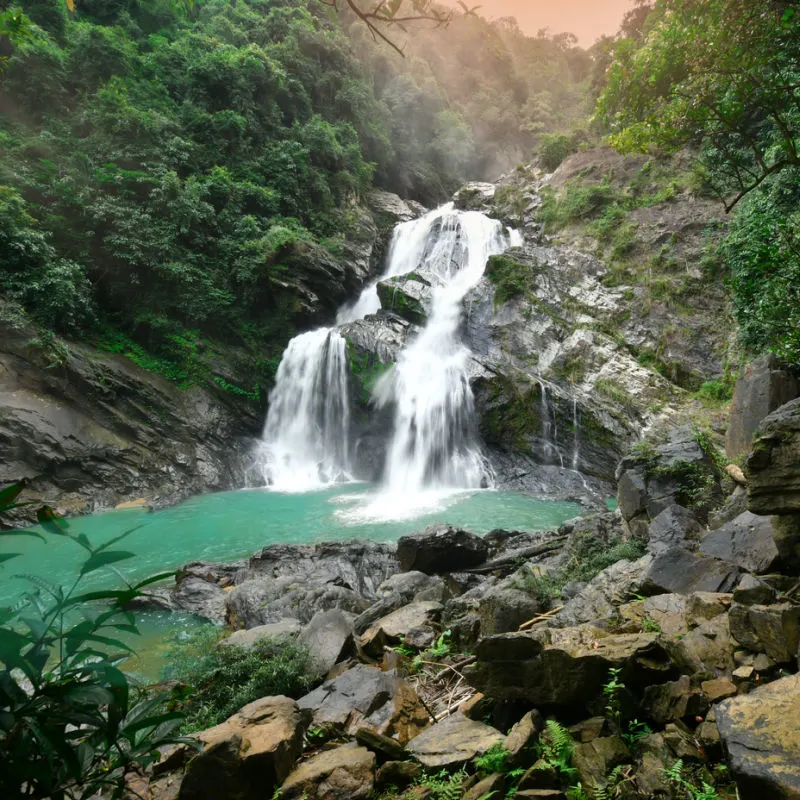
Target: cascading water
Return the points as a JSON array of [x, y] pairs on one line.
[[307, 434], [433, 446]]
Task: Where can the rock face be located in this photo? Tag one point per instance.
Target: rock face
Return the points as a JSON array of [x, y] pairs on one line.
[[765, 386], [761, 738], [100, 430], [247, 755], [773, 468]]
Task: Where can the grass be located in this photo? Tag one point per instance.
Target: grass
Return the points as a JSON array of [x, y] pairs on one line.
[[510, 278]]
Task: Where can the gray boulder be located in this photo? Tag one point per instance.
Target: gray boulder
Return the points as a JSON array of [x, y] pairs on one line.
[[681, 572], [286, 628], [440, 549], [329, 638], [453, 742], [746, 541]]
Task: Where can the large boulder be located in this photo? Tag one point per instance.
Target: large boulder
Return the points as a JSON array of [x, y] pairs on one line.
[[407, 295], [746, 541], [773, 468], [329, 638], [453, 742], [565, 666], [364, 697], [682, 572], [761, 739], [345, 773], [765, 386], [248, 755], [440, 549], [285, 629]]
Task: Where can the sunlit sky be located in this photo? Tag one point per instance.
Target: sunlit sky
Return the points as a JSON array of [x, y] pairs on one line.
[[587, 19]]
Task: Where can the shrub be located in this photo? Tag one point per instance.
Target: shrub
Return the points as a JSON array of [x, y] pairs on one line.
[[509, 277], [215, 682], [71, 723]]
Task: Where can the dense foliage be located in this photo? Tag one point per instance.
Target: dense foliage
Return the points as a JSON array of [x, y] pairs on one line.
[[215, 681], [724, 76], [162, 164], [72, 724]]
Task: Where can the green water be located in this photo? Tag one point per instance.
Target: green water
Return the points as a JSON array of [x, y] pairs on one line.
[[232, 525]]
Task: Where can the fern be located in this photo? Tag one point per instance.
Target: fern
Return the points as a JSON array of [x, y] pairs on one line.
[[443, 786], [557, 747], [495, 759], [705, 792]]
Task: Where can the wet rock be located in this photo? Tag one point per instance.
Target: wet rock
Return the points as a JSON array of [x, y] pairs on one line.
[[407, 295], [764, 387], [565, 667], [773, 467], [761, 740], [364, 697], [286, 628], [247, 755], [746, 541], [681, 572], [345, 773], [441, 549], [453, 742], [774, 630], [329, 638]]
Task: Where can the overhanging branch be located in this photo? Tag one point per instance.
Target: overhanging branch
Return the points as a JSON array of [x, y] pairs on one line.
[[380, 14]]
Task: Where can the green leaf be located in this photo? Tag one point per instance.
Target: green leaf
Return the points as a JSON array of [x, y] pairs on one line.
[[8, 556], [10, 494], [11, 646], [103, 559], [51, 521]]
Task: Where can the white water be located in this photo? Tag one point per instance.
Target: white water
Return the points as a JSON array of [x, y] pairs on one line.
[[433, 451], [306, 441]]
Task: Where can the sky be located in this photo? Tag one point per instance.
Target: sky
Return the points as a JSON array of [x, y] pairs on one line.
[[587, 19]]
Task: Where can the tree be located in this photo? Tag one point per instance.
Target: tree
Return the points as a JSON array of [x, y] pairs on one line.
[[724, 74]]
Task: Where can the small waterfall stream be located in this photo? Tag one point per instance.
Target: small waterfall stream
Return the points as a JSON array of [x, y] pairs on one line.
[[433, 446]]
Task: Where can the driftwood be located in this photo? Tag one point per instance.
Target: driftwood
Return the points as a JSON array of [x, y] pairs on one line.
[[512, 561], [541, 618]]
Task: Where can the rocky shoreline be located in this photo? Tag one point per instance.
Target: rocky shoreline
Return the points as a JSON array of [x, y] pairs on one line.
[[656, 645]]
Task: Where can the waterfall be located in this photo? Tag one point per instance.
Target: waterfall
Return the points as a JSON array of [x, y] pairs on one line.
[[576, 441], [307, 434], [433, 444]]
